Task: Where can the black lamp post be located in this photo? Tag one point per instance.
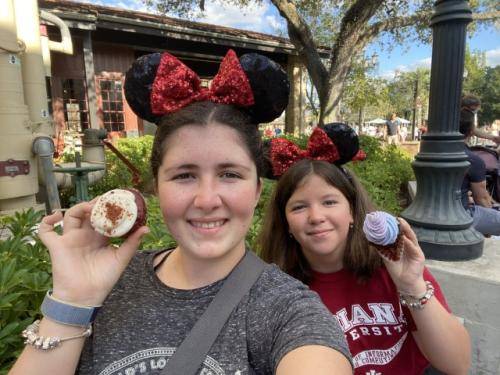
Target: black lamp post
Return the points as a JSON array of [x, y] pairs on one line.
[[441, 223]]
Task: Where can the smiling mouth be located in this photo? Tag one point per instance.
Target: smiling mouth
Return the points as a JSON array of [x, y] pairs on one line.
[[319, 232], [207, 224]]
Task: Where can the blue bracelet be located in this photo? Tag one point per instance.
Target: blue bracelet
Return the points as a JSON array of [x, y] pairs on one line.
[[67, 313]]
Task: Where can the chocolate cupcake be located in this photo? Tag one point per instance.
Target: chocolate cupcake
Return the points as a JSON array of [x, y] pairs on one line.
[[118, 213]]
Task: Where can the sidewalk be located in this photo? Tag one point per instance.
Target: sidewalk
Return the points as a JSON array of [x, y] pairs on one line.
[[472, 289]]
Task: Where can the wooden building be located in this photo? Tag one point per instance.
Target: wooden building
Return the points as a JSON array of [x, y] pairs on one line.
[[86, 87]]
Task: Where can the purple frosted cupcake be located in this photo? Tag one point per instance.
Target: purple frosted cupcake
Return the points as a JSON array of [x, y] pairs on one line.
[[382, 232]]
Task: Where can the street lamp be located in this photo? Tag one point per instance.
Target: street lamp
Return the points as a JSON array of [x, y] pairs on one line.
[[442, 225]]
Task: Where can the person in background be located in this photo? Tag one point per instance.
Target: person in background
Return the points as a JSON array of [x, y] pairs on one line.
[[392, 131], [207, 166], [472, 104], [404, 133], [486, 218], [313, 230]]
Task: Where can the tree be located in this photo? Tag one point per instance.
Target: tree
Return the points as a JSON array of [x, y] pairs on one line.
[[345, 27], [362, 90], [490, 96], [474, 71]]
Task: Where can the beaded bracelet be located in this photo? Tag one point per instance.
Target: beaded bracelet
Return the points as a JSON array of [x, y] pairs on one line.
[[46, 343], [414, 302]]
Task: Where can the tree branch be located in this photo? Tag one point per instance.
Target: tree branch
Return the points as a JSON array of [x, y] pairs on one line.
[[420, 17], [346, 46], [303, 40]]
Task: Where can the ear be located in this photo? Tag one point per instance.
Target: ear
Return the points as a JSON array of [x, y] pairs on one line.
[[260, 185], [155, 189]]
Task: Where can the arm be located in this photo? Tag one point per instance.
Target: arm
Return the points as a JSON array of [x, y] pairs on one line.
[[84, 270], [314, 359], [442, 339], [439, 336], [480, 133], [480, 194]]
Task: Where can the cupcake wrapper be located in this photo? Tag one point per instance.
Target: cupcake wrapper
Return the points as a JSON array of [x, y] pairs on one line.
[[391, 252]]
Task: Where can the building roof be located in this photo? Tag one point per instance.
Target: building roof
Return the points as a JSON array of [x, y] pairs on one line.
[[91, 17]]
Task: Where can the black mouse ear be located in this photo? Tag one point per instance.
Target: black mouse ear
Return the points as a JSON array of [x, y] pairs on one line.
[[138, 83], [270, 87], [346, 140]]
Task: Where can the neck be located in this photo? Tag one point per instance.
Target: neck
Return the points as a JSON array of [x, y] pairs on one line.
[[326, 263], [181, 270]]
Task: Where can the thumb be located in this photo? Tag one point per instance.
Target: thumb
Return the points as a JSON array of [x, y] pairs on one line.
[[127, 250]]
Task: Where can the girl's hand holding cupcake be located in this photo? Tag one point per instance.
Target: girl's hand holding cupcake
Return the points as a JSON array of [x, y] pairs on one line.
[[85, 265]]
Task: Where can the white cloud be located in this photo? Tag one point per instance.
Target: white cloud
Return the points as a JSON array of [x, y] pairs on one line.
[[493, 57], [256, 17], [250, 18], [137, 5], [131, 5], [422, 63]]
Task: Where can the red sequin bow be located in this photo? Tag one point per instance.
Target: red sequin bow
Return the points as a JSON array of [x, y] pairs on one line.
[[175, 85], [285, 153]]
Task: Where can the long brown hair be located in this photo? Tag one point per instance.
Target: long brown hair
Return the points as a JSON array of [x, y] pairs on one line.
[[277, 246]]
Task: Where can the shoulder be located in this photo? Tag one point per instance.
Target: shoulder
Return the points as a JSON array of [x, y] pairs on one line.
[[474, 159], [138, 268], [275, 284], [284, 314]]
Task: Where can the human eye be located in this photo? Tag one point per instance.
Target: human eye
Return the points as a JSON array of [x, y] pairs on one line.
[[183, 176], [297, 207], [230, 175], [330, 202]]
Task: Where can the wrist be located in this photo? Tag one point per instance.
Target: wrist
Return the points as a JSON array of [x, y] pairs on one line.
[[416, 289], [76, 299], [417, 302]]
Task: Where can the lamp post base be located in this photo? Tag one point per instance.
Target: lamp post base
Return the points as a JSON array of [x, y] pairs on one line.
[[457, 245]]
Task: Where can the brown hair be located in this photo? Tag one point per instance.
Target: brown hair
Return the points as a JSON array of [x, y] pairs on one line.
[[277, 246], [466, 122], [203, 114]]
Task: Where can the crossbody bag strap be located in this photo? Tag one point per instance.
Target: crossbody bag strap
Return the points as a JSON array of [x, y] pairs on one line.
[[189, 356]]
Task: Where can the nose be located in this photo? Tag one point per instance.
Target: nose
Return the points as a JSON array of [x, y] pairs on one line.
[[207, 196], [316, 215]]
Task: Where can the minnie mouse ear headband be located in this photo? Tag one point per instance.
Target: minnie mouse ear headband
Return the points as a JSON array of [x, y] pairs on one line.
[[335, 143], [159, 84]]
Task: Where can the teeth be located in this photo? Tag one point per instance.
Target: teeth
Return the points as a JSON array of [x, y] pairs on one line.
[[208, 225]]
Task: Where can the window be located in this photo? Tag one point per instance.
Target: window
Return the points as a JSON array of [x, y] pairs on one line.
[[76, 112], [112, 104]]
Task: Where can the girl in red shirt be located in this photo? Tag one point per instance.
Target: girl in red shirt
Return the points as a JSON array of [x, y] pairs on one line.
[[314, 231]]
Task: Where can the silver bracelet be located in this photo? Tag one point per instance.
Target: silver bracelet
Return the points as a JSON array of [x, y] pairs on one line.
[[417, 303], [46, 343]]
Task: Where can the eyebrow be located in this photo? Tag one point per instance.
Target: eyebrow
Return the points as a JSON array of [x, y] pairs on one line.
[[326, 196], [195, 167]]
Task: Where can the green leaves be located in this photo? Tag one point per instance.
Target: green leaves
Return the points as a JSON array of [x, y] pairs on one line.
[[24, 279]]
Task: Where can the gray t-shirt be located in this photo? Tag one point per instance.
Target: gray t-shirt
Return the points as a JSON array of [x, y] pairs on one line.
[[143, 321]]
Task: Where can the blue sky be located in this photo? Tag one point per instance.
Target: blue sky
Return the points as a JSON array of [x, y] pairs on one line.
[[264, 18]]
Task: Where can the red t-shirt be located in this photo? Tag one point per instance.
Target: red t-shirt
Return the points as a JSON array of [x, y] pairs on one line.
[[376, 326]]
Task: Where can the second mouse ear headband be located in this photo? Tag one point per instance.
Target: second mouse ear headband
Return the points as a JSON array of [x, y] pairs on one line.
[[335, 143], [159, 84]]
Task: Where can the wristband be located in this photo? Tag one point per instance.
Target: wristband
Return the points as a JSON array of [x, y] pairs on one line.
[[67, 313]]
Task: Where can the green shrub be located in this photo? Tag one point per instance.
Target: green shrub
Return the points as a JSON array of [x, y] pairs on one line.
[[25, 277], [384, 174], [138, 152]]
